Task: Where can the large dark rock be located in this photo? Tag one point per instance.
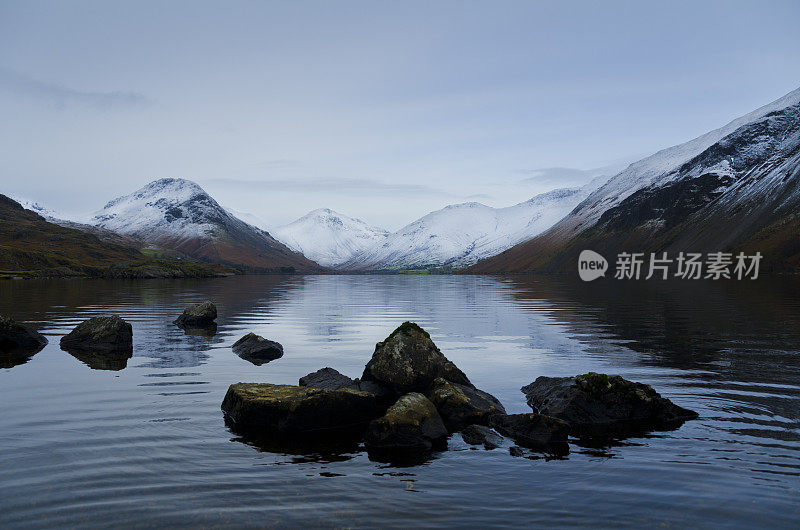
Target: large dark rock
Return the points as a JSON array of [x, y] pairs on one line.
[[462, 405], [598, 404], [410, 426], [18, 342], [481, 435], [295, 410], [100, 335], [257, 349], [326, 378], [535, 431], [409, 361], [198, 316]]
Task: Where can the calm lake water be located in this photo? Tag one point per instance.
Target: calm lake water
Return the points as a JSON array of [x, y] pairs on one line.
[[147, 446]]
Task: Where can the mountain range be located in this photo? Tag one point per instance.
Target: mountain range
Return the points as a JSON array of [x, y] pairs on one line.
[[734, 188]]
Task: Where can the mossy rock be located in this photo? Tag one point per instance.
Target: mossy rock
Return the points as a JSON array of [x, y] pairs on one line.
[[461, 405], [198, 316], [411, 425], [409, 361], [289, 409], [99, 335], [604, 405]]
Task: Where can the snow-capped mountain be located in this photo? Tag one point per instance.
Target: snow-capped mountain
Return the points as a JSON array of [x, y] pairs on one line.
[[727, 189], [179, 215], [328, 237], [461, 234]]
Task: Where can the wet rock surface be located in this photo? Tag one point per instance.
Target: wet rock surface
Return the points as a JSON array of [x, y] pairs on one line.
[[461, 405], [100, 335], [481, 435], [200, 315], [411, 425], [599, 404], [326, 378], [257, 349], [290, 410], [535, 431], [18, 343], [17, 338], [409, 361]]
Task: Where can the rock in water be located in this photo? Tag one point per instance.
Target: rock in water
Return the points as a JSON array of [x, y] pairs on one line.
[[599, 404], [461, 405], [410, 426], [481, 435], [293, 410], [326, 378], [100, 335], [198, 316], [535, 431], [257, 349], [409, 361], [15, 337]]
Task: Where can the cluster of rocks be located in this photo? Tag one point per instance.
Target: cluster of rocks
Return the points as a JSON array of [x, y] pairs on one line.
[[410, 398], [106, 342]]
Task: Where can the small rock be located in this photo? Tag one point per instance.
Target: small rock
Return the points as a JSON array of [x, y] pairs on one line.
[[461, 405], [326, 378], [516, 451], [287, 409], [599, 404], [257, 349], [531, 430], [198, 316], [480, 434], [100, 335], [411, 425], [16, 338], [409, 361]]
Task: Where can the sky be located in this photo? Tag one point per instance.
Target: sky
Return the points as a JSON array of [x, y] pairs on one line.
[[381, 110]]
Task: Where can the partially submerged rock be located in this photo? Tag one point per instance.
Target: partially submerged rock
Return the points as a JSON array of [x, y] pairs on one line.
[[257, 349], [100, 335], [409, 361], [293, 410], [461, 405], [535, 431], [326, 378], [198, 316], [410, 426], [18, 342], [481, 435], [599, 404]]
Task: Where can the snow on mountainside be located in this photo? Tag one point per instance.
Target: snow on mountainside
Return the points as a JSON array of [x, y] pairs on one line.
[[329, 238], [461, 234], [179, 215], [658, 168], [737, 187]]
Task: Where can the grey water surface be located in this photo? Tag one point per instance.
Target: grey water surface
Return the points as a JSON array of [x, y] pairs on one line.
[[143, 443]]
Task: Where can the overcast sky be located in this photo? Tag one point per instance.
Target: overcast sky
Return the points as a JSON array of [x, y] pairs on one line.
[[380, 110]]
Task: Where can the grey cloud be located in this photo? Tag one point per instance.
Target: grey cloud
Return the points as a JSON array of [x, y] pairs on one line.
[[567, 176], [60, 96], [346, 186]]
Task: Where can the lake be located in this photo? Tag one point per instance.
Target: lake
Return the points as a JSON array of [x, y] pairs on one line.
[[146, 444]]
